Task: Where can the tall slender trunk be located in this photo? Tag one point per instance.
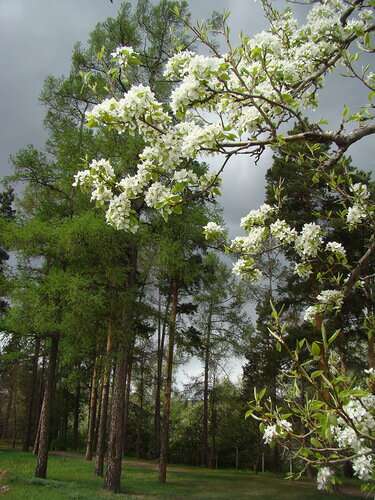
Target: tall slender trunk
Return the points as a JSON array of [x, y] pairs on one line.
[[127, 395], [164, 441], [371, 349], [115, 445], [9, 406], [37, 434], [213, 428], [139, 447], [207, 352], [93, 409], [116, 434], [161, 342], [100, 447], [77, 400], [40, 404], [32, 393], [15, 398], [99, 412], [42, 458]]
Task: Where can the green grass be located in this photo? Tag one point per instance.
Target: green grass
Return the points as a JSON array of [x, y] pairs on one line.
[[71, 477]]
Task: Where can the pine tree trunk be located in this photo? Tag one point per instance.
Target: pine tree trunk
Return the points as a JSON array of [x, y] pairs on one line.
[[205, 445], [127, 396], [42, 458], [9, 408], [161, 342], [116, 427], [115, 445], [213, 452], [164, 439], [37, 434], [99, 412], [371, 349], [93, 409], [15, 398], [40, 405], [32, 394], [100, 448], [139, 447], [77, 399]]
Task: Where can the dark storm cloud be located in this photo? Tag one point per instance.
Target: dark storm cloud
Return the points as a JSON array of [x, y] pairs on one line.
[[36, 39]]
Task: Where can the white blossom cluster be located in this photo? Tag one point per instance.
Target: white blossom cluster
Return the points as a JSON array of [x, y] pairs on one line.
[[309, 241], [279, 429], [245, 268], [323, 478], [213, 231], [330, 301], [360, 411], [337, 249], [124, 55], [98, 178], [358, 212], [257, 217], [281, 231]]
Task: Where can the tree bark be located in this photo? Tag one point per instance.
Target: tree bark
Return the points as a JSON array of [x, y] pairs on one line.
[[93, 409], [128, 382], [116, 434], [100, 447], [161, 342], [207, 352], [9, 407], [42, 458], [77, 400], [371, 350], [115, 445], [15, 397], [213, 453], [139, 446], [32, 394], [164, 441], [40, 404]]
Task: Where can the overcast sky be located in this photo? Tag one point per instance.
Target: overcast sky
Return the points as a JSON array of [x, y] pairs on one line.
[[37, 38]]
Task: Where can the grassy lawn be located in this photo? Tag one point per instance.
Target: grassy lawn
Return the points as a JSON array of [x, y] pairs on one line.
[[71, 477]]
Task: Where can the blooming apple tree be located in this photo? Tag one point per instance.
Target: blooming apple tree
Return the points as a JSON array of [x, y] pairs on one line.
[[242, 102]]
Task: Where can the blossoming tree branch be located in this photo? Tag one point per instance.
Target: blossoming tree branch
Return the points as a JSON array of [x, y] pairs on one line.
[[248, 99]]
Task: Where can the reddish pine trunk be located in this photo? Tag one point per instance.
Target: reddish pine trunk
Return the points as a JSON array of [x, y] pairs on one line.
[[161, 342], [9, 407], [100, 448], [371, 349], [40, 404], [139, 446], [92, 414], [115, 445], [32, 394], [76, 416], [127, 395], [205, 446], [213, 452], [42, 458], [116, 434], [164, 439]]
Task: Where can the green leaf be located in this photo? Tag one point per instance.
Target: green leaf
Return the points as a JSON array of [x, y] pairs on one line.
[[334, 337], [315, 349], [316, 373]]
